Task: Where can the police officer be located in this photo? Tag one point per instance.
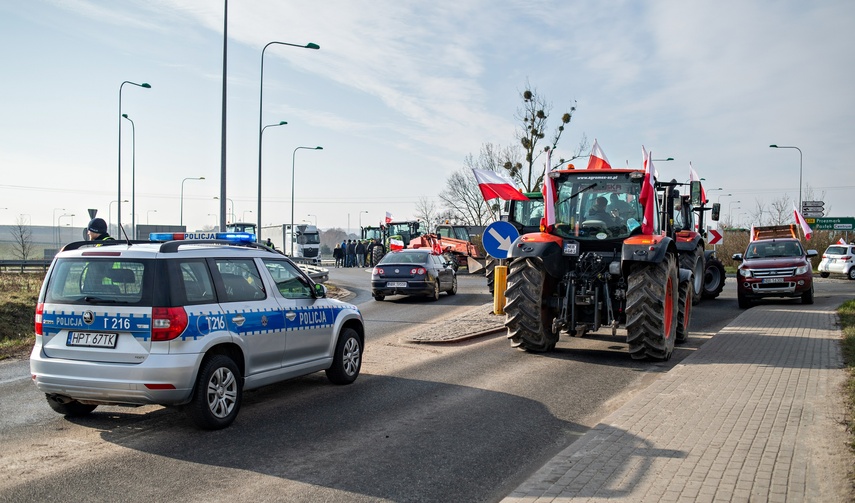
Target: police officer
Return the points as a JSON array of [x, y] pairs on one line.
[[97, 230]]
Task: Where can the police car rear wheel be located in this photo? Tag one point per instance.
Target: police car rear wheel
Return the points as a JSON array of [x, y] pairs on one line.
[[69, 408], [347, 359], [218, 394]]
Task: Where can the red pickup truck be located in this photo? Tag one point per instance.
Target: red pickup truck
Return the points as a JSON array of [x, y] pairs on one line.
[[774, 265]]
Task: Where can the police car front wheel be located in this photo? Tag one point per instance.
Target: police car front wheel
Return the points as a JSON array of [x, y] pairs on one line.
[[217, 395], [347, 359]]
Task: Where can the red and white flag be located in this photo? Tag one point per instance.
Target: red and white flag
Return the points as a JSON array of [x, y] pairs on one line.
[[597, 159], [693, 177], [493, 184], [396, 244], [801, 221], [647, 198], [841, 241], [388, 217], [548, 195]]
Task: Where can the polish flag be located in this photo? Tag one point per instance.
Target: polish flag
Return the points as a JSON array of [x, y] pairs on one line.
[[647, 198], [841, 241], [396, 244], [693, 177], [388, 217], [801, 221], [494, 184], [597, 159], [548, 195]]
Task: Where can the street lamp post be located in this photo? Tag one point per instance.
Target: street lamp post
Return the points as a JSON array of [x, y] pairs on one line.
[[316, 218], [730, 206], [55, 228], [181, 215], [133, 175], [360, 221], [232, 211], [59, 222], [800, 169], [722, 195], [310, 45], [147, 214], [293, 159], [243, 217], [110, 215], [119, 199], [260, 135]]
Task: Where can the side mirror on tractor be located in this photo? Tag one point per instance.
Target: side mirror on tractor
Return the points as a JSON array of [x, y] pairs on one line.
[[716, 212]]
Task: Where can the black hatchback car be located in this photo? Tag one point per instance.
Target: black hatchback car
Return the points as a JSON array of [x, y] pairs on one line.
[[413, 272]]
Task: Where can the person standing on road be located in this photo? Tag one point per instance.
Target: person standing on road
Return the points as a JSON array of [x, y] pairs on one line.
[[97, 230], [337, 255], [360, 253], [369, 253], [351, 253]]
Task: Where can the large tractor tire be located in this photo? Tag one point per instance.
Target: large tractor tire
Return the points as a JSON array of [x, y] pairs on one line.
[[529, 320], [488, 272], [695, 262], [684, 309], [376, 254], [714, 277], [652, 301]]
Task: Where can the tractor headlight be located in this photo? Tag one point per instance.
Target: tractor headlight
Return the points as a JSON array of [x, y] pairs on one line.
[[614, 268]]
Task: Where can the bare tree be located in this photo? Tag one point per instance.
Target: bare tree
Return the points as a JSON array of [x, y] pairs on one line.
[[534, 116], [22, 238], [427, 212], [464, 199]]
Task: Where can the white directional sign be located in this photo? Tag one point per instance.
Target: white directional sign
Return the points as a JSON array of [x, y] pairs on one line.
[[497, 239]]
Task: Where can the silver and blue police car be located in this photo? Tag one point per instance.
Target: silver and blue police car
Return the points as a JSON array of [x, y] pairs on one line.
[[187, 320]]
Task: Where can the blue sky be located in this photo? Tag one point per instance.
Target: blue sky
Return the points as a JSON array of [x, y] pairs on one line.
[[401, 91]]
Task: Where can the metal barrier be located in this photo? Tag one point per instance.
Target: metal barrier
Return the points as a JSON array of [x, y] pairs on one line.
[[40, 265]]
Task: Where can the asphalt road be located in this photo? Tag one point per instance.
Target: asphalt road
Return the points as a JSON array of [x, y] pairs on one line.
[[424, 422]]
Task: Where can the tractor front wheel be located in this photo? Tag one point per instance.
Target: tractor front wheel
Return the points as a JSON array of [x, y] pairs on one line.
[[529, 320], [652, 308]]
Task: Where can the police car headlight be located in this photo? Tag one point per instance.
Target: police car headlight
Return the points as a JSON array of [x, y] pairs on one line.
[[802, 270], [745, 273]]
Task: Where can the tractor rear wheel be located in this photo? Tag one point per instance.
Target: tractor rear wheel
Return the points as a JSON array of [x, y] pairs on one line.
[[651, 309], [529, 320], [695, 262], [684, 310], [714, 277], [376, 254], [488, 272]]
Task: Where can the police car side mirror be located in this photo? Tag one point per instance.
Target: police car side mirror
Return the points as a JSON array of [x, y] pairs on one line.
[[320, 291]]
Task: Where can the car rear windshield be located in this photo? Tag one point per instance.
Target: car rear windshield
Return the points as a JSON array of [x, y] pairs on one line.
[[405, 258], [836, 250], [99, 281]]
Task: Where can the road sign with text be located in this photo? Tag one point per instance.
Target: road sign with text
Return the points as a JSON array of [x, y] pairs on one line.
[[831, 223]]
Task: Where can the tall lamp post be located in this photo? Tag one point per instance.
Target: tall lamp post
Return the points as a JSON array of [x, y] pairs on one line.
[[360, 221], [232, 212], [133, 175], [55, 228], [260, 135], [310, 45], [293, 159], [148, 214], [243, 217], [181, 215], [800, 169], [110, 215], [316, 218], [59, 222], [145, 86]]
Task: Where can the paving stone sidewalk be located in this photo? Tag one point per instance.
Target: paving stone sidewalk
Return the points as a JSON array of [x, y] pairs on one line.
[[756, 414]]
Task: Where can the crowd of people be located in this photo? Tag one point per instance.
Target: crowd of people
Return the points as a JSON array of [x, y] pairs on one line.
[[356, 252]]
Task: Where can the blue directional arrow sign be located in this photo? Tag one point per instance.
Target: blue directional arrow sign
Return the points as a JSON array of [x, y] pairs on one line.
[[498, 237]]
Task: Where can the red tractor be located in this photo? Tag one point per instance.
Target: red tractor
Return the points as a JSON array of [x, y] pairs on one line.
[[596, 268]]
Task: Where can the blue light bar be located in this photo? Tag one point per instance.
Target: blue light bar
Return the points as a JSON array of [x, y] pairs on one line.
[[235, 237]]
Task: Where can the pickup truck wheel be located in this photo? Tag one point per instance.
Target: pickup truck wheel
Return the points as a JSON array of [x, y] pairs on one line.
[[651, 309], [529, 320], [217, 395], [807, 297], [743, 302]]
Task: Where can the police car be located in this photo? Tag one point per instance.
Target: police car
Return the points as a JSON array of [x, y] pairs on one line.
[[188, 320]]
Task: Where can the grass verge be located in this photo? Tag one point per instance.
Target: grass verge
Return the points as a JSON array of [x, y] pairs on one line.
[[19, 293], [847, 322]]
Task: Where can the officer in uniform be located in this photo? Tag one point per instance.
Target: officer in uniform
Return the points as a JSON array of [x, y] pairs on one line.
[[97, 230]]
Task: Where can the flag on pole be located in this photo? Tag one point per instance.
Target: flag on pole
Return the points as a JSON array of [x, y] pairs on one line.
[[801, 221], [396, 244], [597, 159], [841, 241], [647, 198], [693, 177], [493, 184], [548, 195], [388, 217]]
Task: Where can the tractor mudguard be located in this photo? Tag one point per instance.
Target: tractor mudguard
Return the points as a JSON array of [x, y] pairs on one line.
[[646, 249], [544, 246], [688, 241]]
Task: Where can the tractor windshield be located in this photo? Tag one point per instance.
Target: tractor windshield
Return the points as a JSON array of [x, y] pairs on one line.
[[597, 206]]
